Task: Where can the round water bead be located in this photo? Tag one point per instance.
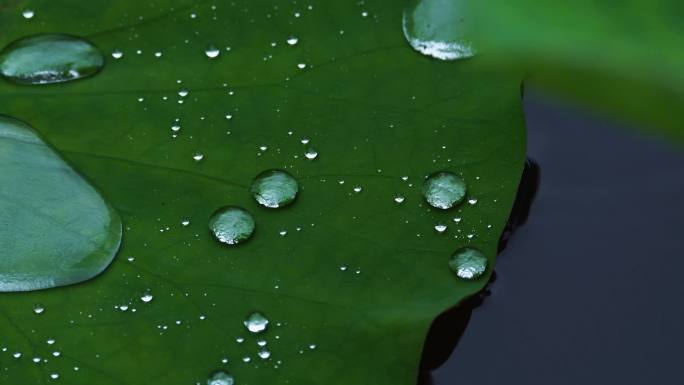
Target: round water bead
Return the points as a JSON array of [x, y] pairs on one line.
[[444, 190], [232, 225], [256, 322], [468, 263], [274, 188]]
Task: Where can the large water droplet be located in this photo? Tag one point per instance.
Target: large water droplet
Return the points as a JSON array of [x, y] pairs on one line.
[[444, 190], [274, 188], [212, 52], [49, 58], [56, 229], [232, 225], [438, 28], [256, 322], [220, 378], [468, 263]]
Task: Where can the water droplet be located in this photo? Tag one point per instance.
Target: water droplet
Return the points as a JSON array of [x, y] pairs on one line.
[[358, 189], [292, 40], [197, 156], [28, 14], [117, 54], [246, 359], [38, 309], [444, 190], [274, 188], [399, 199], [468, 263], [262, 343], [440, 228], [457, 219], [147, 297], [437, 28], [220, 378], [311, 154], [264, 354], [301, 66], [305, 140], [176, 125], [185, 222], [54, 376], [49, 58], [212, 52], [256, 322], [79, 236], [183, 92], [282, 232], [472, 201], [232, 225], [16, 355]]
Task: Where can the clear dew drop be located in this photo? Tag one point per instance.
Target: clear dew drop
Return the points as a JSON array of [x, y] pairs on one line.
[[232, 225], [468, 263], [311, 154], [28, 14], [358, 189], [117, 54], [38, 309], [264, 354], [54, 376], [440, 228], [256, 322], [49, 58], [220, 377], [197, 156], [147, 297], [183, 92], [444, 190], [399, 199], [274, 188], [212, 52], [437, 28], [292, 40]]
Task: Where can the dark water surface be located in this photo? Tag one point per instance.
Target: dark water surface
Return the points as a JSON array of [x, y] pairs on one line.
[[591, 289]]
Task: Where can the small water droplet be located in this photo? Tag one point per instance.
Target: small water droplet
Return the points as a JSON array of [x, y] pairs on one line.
[[28, 14], [274, 188], [220, 378], [440, 228], [472, 201], [239, 340], [212, 52], [232, 225], [399, 199], [311, 154], [54, 376], [457, 219], [38, 309], [301, 66], [256, 322], [117, 54], [264, 354], [468, 263], [147, 297], [185, 222], [262, 343], [292, 40], [183, 92], [197, 156], [282, 232], [444, 190], [312, 346], [17, 355], [358, 189], [305, 140], [49, 58]]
